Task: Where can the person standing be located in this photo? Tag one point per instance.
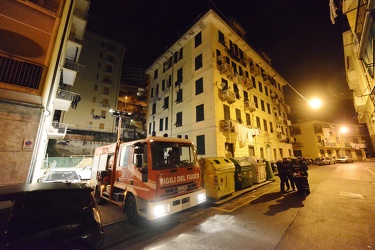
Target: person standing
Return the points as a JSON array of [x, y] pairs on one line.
[[300, 176], [281, 168], [289, 173]]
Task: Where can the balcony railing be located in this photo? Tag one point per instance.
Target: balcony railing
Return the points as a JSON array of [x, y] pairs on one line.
[[20, 72], [53, 5], [57, 130]]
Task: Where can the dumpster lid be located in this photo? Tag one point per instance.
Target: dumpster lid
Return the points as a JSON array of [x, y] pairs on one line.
[[220, 162], [242, 161], [255, 160]]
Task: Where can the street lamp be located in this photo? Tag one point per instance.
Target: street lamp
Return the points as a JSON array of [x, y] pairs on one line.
[[314, 103], [342, 130], [119, 114]]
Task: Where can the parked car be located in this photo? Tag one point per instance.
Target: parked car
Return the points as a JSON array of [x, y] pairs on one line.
[[66, 175], [331, 160], [344, 159], [49, 216], [320, 161]]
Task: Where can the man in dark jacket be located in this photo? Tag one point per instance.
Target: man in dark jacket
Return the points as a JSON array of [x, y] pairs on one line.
[[281, 169], [300, 176]]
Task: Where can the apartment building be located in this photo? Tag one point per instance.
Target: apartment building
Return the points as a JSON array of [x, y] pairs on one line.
[[214, 88], [315, 138], [97, 85], [359, 55], [39, 53]]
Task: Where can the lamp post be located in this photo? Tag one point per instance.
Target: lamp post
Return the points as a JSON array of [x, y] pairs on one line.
[[343, 130], [119, 114]]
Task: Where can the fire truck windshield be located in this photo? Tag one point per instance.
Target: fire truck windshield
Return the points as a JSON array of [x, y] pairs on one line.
[[166, 155]]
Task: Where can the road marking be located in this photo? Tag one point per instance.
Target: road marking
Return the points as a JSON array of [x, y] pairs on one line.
[[352, 195], [372, 171], [245, 203]]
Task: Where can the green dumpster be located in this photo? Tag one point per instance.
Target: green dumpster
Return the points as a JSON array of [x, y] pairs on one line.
[[218, 176], [243, 175]]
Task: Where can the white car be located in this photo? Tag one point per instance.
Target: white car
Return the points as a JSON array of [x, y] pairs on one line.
[[62, 175], [344, 159]]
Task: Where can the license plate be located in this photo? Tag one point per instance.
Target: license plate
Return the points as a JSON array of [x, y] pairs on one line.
[[186, 205], [182, 188]]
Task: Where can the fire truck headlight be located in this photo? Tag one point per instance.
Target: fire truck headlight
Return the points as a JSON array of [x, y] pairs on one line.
[[160, 210], [201, 197]]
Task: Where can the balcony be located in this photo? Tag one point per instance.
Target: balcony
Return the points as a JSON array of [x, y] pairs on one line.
[[249, 106], [73, 49], [78, 29], [20, 72], [248, 83], [267, 80], [360, 103], [227, 125], [57, 131], [226, 69], [229, 96], [64, 99], [254, 70]]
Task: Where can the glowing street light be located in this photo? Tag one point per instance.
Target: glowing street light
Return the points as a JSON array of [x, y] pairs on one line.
[[315, 103]]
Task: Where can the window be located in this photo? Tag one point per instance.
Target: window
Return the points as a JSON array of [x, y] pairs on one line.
[[236, 91], [260, 86], [254, 82], [201, 150], [179, 96], [163, 85], [248, 121], [268, 108], [179, 76], [271, 127], [238, 116], [166, 123], [178, 119], [199, 110], [256, 102], [258, 121], [154, 108], [101, 125], [245, 95], [153, 126], [265, 127], [152, 93], [161, 124], [234, 65], [109, 69], [221, 37], [199, 86], [266, 90], [224, 84], [198, 62], [226, 112], [156, 74], [103, 114], [198, 39], [157, 89], [262, 105], [149, 128], [166, 102]]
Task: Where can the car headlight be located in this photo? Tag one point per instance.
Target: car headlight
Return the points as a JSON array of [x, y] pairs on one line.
[[160, 210], [201, 197]]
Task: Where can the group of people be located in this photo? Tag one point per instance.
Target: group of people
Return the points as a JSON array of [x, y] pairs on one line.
[[293, 174]]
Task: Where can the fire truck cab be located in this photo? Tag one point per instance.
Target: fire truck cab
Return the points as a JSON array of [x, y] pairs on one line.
[[151, 178]]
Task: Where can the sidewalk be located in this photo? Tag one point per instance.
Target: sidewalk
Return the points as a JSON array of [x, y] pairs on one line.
[[111, 213]]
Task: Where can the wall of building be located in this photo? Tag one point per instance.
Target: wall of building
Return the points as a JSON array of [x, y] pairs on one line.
[[18, 124]]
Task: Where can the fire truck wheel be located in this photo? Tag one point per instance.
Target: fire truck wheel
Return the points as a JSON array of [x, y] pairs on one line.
[[98, 199], [131, 210]]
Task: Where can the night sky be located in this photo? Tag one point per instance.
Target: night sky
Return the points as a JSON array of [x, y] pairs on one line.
[[298, 35]]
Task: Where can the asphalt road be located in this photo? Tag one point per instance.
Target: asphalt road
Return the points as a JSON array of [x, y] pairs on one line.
[[338, 214]]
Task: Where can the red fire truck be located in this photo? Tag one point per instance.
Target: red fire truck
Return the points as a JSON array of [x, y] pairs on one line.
[[151, 177]]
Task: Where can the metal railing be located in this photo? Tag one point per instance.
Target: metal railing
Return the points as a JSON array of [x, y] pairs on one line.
[[19, 72]]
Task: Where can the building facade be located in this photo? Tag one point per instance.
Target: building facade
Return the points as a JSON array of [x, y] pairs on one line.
[[213, 87], [314, 138], [360, 59], [39, 52], [98, 86]]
